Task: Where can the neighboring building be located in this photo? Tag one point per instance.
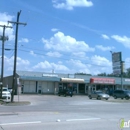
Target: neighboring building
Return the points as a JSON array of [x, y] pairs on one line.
[[50, 83]]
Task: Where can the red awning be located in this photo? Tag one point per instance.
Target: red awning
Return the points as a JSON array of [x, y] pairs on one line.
[[102, 81]]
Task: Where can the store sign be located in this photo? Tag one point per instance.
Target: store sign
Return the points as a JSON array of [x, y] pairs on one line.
[[127, 80], [71, 80], [50, 75], [102, 81]]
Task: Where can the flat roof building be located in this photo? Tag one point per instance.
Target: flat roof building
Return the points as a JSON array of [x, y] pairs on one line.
[[49, 83]]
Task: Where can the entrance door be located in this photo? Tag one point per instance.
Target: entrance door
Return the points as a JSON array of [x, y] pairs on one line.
[[93, 88], [82, 88]]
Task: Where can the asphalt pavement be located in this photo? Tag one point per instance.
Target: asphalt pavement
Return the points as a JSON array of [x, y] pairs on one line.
[[57, 112]]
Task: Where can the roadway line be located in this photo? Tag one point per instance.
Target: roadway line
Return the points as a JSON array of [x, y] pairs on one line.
[[20, 123], [87, 119]]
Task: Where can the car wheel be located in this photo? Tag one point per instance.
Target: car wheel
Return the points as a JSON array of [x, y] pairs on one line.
[[115, 97], [99, 98], [126, 97], [90, 97], [106, 98], [122, 98]]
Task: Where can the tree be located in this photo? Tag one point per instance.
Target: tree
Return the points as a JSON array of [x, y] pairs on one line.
[[102, 74]]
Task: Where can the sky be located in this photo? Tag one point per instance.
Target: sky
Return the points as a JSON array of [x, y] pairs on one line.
[[66, 36]]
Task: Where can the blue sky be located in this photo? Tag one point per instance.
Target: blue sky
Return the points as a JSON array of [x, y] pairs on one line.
[[67, 36]]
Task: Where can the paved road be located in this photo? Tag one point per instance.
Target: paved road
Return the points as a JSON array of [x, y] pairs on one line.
[[52, 112]]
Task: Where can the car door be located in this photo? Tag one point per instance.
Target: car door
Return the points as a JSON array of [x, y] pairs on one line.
[[118, 93], [94, 94], [122, 94]]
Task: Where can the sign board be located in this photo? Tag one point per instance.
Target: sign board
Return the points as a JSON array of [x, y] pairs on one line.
[[116, 63], [127, 80], [102, 81], [18, 81], [49, 75], [116, 57]]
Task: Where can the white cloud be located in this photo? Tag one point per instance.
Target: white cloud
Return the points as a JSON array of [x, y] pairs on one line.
[[127, 63], [24, 40], [76, 63], [124, 40], [4, 18], [100, 61], [32, 53], [21, 62], [70, 4], [54, 29], [60, 42], [95, 65], [54, 54], [9, 62], [108, 48], [104, 36], [100, 65], [78, 67], [79, 54], [49, 66]]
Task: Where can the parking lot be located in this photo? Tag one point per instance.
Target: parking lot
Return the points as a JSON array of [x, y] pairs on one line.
[[59, 112]]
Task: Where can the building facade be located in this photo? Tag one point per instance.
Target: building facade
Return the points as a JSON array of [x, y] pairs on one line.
[[50, 83]]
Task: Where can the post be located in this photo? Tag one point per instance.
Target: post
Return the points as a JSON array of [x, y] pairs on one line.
[[122, 66], [3, 38], [15, 54], [2, 62]]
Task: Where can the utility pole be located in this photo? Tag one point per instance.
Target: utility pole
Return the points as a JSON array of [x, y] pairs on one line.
[[122, 71], [3, 38], [15, 53]]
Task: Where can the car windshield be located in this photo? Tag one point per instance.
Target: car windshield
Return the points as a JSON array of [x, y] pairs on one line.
[[99, 92], [5, 89]]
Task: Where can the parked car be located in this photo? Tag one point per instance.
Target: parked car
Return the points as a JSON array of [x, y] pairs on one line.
[[6, 95], [10, 90], [65, 92], [98, 95], [121, 94]]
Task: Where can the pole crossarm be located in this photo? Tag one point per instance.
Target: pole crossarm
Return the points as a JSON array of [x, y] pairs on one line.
[[17, 23], [5, 26]]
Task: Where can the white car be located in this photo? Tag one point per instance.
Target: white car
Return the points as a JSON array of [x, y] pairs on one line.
[[6, 95]]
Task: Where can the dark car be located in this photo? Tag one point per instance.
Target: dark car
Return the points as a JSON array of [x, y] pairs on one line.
[[65, 92], [98, 95], [121, 94]]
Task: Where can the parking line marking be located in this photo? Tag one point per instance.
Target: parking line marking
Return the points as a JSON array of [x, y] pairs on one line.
[[87, 119], [20, 123]]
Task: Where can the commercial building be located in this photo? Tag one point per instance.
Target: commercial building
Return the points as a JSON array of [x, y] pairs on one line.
[[49, 83]]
